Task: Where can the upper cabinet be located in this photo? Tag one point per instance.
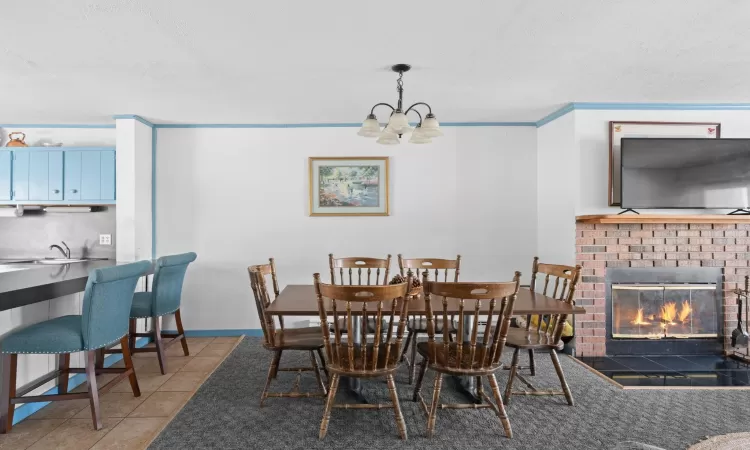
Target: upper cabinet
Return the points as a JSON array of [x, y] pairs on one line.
[[75, 175]]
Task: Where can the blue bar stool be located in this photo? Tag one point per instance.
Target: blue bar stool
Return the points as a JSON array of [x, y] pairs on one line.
[[164, 299], [106, 307]]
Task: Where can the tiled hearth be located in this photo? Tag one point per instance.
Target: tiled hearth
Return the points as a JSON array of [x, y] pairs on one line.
[[602, 246]]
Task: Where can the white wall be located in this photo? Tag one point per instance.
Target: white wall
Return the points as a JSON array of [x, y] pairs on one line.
[[239, 196]]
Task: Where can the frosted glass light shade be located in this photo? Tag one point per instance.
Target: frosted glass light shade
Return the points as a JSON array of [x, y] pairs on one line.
[[431, 127], [370, 127], [387, 138], [418, 137], [398, 123]]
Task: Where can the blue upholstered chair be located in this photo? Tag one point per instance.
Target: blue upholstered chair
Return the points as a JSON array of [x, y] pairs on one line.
[[104, 321], [164, 299]]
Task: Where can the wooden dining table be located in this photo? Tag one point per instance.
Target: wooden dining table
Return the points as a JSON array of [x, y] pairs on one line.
[[300, 300]]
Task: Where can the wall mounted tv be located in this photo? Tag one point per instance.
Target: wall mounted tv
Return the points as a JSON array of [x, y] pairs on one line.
[[685, 173]]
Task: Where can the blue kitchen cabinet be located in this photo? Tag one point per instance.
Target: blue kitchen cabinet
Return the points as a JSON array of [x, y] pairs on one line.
[[108, 175], [45, 175], [55, 175], [72, 175], [6, 159], [21, 175], [90, 175]]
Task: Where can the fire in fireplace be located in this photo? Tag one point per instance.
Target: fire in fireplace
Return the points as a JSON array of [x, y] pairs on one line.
[[657, 311]]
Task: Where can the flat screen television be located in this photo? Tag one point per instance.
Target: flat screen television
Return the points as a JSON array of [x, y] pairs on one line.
[[689, 173]]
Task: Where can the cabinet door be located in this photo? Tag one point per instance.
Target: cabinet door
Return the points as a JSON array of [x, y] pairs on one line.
[[108, 175], [55, 175], [5, 164], [72, 175], [91, 175], [38, 175], [20, 175]]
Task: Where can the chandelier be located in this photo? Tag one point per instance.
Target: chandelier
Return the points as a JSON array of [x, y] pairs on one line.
[[398, 123]]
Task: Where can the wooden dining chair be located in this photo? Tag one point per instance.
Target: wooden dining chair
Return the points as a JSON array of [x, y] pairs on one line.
[[418, 323], [479, 356], [543, 332], [278, 339], [361, 271], [363, 359]]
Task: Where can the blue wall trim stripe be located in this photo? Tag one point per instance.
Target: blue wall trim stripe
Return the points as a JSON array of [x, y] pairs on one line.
[[134, 117], [27, 409], [220, 333], [38, 125], [555, 115]]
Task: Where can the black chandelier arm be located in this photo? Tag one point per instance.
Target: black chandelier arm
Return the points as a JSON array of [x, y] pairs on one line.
[[420, 115], [372, 111], [420, 103]]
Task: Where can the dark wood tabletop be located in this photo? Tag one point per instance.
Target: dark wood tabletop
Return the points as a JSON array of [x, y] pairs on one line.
[[300, 300]]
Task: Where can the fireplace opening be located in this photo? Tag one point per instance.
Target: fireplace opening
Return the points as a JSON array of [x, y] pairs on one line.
[[659, 311]]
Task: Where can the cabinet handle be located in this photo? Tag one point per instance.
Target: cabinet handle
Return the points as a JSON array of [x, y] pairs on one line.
[[56, 191], [75, 191]]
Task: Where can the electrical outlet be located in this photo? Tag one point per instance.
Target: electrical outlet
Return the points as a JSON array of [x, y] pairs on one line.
[[105, 239]]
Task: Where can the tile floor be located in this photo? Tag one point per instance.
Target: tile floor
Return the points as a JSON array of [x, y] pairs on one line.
[[129, 422], [700, 371]]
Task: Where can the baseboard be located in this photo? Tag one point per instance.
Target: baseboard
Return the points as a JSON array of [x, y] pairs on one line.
[[219, 333], [27, 409]]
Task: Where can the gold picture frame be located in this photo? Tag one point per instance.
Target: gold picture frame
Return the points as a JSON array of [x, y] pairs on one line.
[[349, 186]]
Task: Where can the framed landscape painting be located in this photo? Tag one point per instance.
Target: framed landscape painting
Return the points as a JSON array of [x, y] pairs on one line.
[[619, 130], [356, 186]]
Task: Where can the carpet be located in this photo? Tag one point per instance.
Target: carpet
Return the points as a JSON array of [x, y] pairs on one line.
[[224, 414]]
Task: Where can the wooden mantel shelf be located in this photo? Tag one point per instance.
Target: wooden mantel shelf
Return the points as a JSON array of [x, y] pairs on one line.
[[663, 218]]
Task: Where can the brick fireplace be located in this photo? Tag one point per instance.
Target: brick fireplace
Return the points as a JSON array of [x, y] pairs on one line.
[[650, 244]]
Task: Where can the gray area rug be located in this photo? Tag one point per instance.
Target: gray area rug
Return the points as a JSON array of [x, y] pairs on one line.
[[224, 414]]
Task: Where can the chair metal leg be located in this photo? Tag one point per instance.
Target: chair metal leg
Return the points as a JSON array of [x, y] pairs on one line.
[[181, 330], [63, 364], [420, 378], [406, 345], [413, 362], [324, 366], [435, 404], [96, 414], [511, 376], [329, 405], [316, 369], [561, 376], [160, 353], [532, 365], [128, 360], [8, 391], [271, 371], [500, 407], [400, 424]]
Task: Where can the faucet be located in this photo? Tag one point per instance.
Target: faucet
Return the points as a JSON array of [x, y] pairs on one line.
[[66, 252]]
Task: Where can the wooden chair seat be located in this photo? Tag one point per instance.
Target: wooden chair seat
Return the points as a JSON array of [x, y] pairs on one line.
[[531, 339], [448, 361], [297, 339], [388, 360]]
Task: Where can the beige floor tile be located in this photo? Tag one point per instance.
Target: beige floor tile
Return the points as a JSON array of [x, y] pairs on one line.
[[194, 349], [216, 350], [151, 364], [147, 382], [226, 340], [115, 404], [183, 382], [161, 404], [131, 434], [200, 340], [74, 434], [61, 410], [202, 364], [26, 433], [101, 380]]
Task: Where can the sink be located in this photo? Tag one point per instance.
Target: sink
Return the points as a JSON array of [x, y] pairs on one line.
[[57, 261]]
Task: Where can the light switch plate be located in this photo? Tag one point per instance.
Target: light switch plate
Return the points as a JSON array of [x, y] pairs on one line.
[[105, 239]]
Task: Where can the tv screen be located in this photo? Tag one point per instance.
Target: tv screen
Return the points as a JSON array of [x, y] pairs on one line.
[[685, 173]]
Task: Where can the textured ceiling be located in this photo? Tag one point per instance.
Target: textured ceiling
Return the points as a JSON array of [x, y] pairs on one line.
[[240, 61]]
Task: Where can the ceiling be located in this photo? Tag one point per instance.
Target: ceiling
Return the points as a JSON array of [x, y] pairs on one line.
[[240, 61]]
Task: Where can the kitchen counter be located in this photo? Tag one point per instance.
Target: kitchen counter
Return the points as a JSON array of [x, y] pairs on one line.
[[37, 282]]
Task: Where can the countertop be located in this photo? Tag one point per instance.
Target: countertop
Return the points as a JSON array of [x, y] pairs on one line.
[[38, 282]]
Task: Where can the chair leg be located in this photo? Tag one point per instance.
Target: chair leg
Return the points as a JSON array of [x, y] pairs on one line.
[[329, 405], [561, 376], [7, 392], [316, 369], [181, 330], [413, 362], [160, 353], [276, 366], [128, 360], [511, 376], [324, 366], [96, 414], [406, 345], [132, 329], [500, 407], [63, 365], [532, 365], [99, 358], [271, 372], [480, 389], [400, 424], [420, 378], [435, 403]]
